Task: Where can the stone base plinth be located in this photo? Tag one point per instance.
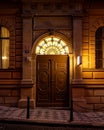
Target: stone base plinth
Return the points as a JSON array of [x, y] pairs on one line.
[[23, 103]]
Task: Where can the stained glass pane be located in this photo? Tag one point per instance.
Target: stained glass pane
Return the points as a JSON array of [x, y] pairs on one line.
[[52, 46]]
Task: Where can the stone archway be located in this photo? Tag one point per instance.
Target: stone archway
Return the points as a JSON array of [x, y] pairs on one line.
[[51, 48]]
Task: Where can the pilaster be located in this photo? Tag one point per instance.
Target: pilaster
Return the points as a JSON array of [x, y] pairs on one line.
[[27, 82], [77, 46]]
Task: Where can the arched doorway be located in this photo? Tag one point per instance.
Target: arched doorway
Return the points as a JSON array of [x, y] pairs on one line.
[[52, 73]]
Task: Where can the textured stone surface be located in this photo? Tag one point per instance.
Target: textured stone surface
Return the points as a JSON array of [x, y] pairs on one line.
[[51, 116]]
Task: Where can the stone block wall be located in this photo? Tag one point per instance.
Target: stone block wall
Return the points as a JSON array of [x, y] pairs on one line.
[[88, 99], [91, 87], [95, 96], [9, 96]]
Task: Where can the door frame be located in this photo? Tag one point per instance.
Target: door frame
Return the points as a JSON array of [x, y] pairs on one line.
[[34, 55]]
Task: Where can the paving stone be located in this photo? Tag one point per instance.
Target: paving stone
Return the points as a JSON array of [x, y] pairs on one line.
[[51, 115]]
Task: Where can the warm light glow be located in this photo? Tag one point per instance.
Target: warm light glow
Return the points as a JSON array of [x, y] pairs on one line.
[[4, 48], [4, 57], [52, 46], [79, 60]]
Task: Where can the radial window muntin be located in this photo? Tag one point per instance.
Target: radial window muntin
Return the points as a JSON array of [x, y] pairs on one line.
[[52, 46]]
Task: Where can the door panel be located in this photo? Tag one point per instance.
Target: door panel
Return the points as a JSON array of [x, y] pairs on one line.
[[43, 78], [52, 81]]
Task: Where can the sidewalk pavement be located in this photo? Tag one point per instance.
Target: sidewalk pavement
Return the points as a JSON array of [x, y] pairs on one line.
[[44, 115]]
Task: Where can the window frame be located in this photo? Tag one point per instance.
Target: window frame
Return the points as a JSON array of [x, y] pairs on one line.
[[1, 45]]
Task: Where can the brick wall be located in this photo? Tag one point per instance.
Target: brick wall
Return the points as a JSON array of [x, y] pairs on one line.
[[96, 98], [9, 96], [89, 98]]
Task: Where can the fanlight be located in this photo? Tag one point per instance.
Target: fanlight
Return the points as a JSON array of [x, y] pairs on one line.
[[52, 46]]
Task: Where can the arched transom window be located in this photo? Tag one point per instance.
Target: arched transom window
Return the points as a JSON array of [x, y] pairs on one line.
[[52, 46]]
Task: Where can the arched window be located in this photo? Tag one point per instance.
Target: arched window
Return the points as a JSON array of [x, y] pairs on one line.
[[52, 46], [4, 47]]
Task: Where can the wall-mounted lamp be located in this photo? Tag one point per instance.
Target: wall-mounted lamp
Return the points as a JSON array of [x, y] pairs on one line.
[[79, 60]]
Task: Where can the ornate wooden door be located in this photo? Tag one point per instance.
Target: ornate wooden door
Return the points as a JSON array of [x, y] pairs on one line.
[[52, 81]]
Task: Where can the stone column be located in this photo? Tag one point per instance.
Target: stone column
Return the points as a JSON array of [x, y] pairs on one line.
[[26, 89], [77, 47]]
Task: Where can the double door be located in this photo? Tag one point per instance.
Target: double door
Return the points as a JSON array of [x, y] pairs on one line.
[[52, 81]]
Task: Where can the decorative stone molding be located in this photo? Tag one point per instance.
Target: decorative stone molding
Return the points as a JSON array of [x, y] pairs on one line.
[[57, 8]]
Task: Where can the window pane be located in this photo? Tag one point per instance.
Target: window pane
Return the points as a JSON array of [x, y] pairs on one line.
[[99, 33], [5, 54], [4, 32], [4, 48], [99, 45], [99, 54], [99, 63]]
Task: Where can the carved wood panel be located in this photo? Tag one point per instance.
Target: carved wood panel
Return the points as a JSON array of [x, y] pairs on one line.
[[52, 81]]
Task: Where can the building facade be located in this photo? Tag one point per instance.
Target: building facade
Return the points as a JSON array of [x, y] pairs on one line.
[[49, 48]]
